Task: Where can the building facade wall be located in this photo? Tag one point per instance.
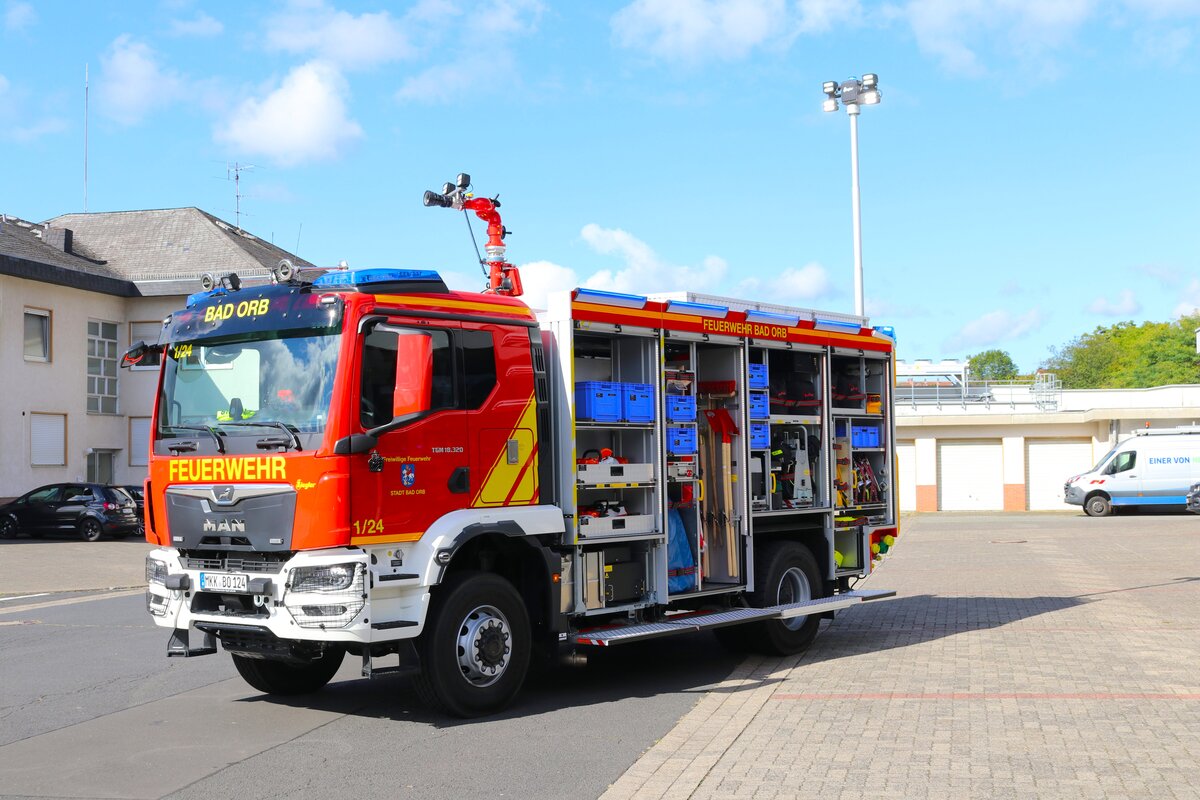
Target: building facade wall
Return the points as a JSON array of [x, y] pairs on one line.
[[925, 434], [60, 386]]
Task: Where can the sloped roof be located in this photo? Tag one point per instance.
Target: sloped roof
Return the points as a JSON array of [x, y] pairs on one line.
[[165, 251], [24, 254]]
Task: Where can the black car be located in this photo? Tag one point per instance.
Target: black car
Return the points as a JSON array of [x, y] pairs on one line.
[[139, 497], [87, 509], [1193, 499]]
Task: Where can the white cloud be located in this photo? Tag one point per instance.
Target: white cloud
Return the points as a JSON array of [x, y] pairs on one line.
[[692, 30], [995, 327], [482, 36], [339, 37], [543, 278], [19, 16], [819, 16], [1190, 304], [643, 271], [201, 25], [132, 83], [303, 119], [1125, 305]]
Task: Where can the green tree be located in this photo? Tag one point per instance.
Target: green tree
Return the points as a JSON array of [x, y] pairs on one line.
[[992, 365], [1129, 356]]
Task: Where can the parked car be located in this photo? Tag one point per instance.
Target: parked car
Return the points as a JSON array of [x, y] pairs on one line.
[[1193, 499], [138, 495], [89, 510]]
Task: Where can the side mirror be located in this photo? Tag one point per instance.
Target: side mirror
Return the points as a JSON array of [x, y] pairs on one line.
[[414, 375], [136, 353]]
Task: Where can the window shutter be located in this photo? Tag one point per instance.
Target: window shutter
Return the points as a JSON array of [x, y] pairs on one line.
[[48, 440], [139, 441]]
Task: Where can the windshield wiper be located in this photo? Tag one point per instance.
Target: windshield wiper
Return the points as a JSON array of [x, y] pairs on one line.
[[283, 426], [202, 429]]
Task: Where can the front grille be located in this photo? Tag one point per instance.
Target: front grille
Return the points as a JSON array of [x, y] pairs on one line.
[[233, 564], [252, 640]]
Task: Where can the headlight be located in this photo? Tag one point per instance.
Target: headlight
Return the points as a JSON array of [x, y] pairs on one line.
[[156, 571], [332, 578]]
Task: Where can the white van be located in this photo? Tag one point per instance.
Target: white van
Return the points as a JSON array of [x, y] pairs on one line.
[[1151, 468]]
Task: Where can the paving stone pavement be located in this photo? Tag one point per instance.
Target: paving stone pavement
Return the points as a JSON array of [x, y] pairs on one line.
[[1027, 656]]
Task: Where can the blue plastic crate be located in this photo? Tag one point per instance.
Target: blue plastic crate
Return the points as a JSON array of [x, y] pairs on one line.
[[758, 376], [637, 402], [681, 408], [598, 401], [681, 441], [760, 406], [760, 435], [864, 436]]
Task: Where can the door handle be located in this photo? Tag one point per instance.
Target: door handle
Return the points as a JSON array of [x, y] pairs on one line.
[[460, 481]]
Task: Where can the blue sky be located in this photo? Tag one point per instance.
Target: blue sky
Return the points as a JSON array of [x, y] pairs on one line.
[[1030, 174]]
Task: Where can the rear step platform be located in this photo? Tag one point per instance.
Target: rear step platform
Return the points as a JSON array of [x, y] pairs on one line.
[[690, 623]]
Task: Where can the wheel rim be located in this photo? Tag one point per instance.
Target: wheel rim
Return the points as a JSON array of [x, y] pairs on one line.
[[91, 529], [484, 646], [8, 526], [794, 588]]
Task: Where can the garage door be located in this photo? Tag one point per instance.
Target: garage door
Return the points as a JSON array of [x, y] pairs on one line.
[[906, 469], [971, 475], [1048, 464]]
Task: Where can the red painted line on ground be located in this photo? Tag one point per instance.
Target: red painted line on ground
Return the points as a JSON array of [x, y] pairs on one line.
[[843, 696]]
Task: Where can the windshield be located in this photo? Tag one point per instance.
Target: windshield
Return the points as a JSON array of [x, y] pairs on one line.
[[1102, 463], [246, 396]]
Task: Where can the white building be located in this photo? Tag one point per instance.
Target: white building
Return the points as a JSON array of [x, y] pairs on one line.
[[966, 445], [74, 293]]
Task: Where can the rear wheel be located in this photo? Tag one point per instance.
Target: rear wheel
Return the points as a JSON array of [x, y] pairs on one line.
[[9, 528], [475, 649], [282, 678], [90, 530], [1097, 506], [785, 572]]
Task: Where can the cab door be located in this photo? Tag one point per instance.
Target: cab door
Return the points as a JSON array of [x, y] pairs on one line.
[[420, 469]]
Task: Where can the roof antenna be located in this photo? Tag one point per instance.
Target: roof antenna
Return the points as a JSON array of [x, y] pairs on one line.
[[85, 136], [236, 170]]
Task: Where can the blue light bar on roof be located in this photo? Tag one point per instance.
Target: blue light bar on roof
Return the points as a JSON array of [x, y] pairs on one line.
[[886, 330], [836, 325], [365, 277], [754, 315], [697, 309], [200, 297], [610, 298]]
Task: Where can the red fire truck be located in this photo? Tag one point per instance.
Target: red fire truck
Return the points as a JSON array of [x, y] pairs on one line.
[[362, 461]]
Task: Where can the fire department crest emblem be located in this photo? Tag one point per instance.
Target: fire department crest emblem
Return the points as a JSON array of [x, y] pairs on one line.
[[408, 474]]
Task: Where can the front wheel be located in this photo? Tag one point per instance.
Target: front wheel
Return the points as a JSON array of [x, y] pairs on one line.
[[89, 530], [475, 649], [785, 572], [282, 678], [1097, 506]]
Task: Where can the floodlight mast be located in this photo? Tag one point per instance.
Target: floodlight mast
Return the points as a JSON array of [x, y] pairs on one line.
[[503, 277], [852, 93]]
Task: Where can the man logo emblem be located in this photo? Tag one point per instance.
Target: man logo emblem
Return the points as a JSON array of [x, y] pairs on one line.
[[223, 494], [408, 474]]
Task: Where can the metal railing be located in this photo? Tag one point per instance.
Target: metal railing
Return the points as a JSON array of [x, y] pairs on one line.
[[1044, 392]]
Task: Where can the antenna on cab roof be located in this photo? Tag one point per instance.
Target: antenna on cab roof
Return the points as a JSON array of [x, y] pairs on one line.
[[503, 277]]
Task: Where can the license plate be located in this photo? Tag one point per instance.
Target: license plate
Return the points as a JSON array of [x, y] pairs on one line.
[[223, 582]]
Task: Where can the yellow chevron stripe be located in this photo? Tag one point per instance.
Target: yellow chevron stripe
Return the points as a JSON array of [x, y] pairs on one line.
[[502, 477]]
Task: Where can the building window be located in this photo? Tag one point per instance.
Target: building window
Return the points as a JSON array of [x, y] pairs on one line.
[[37, 334], [145, 332], [139, 441], [102, 367], [100, 466], [47, 439]]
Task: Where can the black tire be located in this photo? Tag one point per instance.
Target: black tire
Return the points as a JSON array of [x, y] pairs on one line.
[[281, 678], [483, 610], [734, 638], [1097, 506], [90, 530], [9, 529], [785, 572]]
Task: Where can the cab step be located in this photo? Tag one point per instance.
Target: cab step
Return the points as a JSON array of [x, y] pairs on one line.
[[690, 623]]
